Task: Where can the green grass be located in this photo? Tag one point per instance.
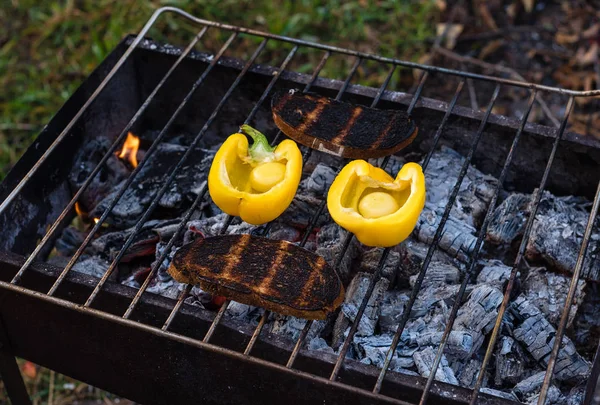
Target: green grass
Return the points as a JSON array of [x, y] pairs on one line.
[[48, 48]]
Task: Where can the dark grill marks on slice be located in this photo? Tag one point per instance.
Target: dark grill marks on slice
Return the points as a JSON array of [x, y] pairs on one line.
[[276, 275], [341, 128]]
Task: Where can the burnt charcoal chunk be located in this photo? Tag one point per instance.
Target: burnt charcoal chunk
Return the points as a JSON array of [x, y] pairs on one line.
[[112, 173], [151, 178], [537, 335]]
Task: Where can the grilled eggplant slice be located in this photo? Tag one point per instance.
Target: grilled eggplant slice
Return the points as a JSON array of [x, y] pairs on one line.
[[276, 275], [341, 128]]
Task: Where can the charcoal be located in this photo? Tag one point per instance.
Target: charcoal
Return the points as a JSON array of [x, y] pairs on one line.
[[355, 293], [556, 234], [468, 374], [424, 362], [302, 209], [501, 394], [474, 195], [510, 362], [459, 343], [109, 244], [576, 395], [528, 390], [536, 334], [373, 349], [438, 274], [548, 292], [93, 266], [282, 231], [478, 314], [458, 238], [370, 261], [319, 344], [88, 157], [319, 180], [184, 188], [243, 312], [494, 273], [329, 245], [212, 226], [286, 325], [412, 254], [432, 297], [392, 308], [508, 219], [69, 241], [587, 322]]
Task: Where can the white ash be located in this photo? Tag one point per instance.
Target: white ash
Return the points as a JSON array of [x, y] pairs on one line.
[[556, 234], [311, 192], [510, 362], [424, 362], [467, 375], [370, 262], [501, 394], [475, 193], [93, 266], [536, 334], [354, 296], [528, 390], [438, 274], [329, 243], [548, 292], [478, 315], [508, 219], [494, 273]]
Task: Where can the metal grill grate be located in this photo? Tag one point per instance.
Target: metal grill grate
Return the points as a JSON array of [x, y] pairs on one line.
[[426, 71]]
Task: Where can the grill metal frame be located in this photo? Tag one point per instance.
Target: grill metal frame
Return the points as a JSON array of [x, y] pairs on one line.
[[8, 366]]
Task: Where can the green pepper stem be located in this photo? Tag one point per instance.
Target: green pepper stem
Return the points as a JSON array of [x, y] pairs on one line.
[[260, 148]]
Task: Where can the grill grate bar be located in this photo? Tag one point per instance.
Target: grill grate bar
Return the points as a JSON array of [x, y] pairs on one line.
[[382, 59], [476, 250], [309, 228], [197, 201], [106, 156], [257, 331], [349, 236], [537, 197], [592, 386], [135, 172], [166, 251], [570, 297], [188, 152], [225, 304], [436, 238]]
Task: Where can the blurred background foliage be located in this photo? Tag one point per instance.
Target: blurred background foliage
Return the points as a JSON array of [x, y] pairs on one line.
[[48, 48]]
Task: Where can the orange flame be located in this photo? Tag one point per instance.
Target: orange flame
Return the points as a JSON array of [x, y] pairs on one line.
[[96, 220], [130, 148], [78, 210]]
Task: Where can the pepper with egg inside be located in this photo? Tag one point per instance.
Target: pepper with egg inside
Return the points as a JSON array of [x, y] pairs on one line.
[[379, 210], [256, 183]]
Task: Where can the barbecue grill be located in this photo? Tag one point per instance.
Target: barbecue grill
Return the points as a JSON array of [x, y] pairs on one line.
[[156, 350]]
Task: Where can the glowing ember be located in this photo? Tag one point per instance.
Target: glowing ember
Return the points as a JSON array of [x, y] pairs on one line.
[[130, 148], [96, 220]]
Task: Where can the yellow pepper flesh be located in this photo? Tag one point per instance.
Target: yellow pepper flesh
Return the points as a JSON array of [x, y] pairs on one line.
[[379, 210], [256, 183]]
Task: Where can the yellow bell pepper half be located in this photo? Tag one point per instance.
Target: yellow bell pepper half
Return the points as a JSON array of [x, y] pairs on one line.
[[256, 183], [379, 210]]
